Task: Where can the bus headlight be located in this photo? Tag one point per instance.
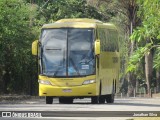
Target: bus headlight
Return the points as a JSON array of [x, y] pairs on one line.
[[88, 82], [46, 82]]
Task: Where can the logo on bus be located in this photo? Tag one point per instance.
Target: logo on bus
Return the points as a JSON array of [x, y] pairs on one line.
[[67, 84]]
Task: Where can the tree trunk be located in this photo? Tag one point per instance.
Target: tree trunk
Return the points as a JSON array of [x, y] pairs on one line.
[[157, 81], [131, 84], [1, 79], [148, 70], [131, 76], [132, 15]]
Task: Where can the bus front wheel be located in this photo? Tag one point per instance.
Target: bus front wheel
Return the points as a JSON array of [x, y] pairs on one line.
[[49, 100]]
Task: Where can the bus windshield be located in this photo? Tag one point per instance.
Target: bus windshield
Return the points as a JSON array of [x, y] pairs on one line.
[[67, 52]]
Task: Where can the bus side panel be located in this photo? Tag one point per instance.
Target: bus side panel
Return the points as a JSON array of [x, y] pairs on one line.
[[108, 72], [109, 60]]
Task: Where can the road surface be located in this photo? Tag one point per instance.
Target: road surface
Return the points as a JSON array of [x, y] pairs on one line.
[[122, 109]]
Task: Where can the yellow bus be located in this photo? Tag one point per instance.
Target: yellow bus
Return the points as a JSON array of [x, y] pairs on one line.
[[78, 58]]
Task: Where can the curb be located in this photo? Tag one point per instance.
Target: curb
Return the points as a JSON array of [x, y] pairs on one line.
[[18, 97]]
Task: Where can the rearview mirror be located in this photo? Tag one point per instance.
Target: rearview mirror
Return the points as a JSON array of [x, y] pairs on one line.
[[97, 47], [35, 47]]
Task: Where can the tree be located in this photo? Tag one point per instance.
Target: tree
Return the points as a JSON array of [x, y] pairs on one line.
[[20, 23], [60, 9], [15, 42], [147, 36]]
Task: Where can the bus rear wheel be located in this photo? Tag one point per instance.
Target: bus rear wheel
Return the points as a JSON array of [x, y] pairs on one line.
[[49, 100], [94, 100], [64, 100], [101, 99], [110, 98]]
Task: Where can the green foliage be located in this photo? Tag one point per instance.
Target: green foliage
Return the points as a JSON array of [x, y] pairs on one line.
[[15, 42], [149, 30], [157, 59], [147, 38], [59, 9], [151, 14], [20, 23], [21, 20], [150, 21], [137, 57]]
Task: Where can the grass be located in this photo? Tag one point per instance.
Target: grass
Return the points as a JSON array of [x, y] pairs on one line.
[[146, 118]]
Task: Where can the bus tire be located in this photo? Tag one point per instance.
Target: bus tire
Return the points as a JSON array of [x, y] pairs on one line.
[[61, 100], [95, 100], [49, 100], [101, 99], [110, 98]]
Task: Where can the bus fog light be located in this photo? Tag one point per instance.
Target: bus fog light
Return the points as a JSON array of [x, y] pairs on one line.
[[46, 82], [88, 82]]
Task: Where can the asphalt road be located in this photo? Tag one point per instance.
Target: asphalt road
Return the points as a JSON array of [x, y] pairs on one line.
[[122, 109]]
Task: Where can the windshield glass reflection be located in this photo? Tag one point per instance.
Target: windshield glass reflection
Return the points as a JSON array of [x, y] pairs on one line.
[[67, 52]]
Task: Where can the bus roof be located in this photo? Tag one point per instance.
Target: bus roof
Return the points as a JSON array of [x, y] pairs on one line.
[[78, 23], [86, 20]]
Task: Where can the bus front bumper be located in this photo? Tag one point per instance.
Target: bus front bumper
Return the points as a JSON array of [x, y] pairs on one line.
[[73, 91]]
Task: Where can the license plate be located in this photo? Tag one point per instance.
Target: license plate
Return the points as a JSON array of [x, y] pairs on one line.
[[67, 90]]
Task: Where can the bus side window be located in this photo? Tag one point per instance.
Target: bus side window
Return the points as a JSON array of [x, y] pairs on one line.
[[102, 37], [113, 40]]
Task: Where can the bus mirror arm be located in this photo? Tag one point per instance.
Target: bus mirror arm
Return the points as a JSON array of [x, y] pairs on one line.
[[35, 47], [97, 47]]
